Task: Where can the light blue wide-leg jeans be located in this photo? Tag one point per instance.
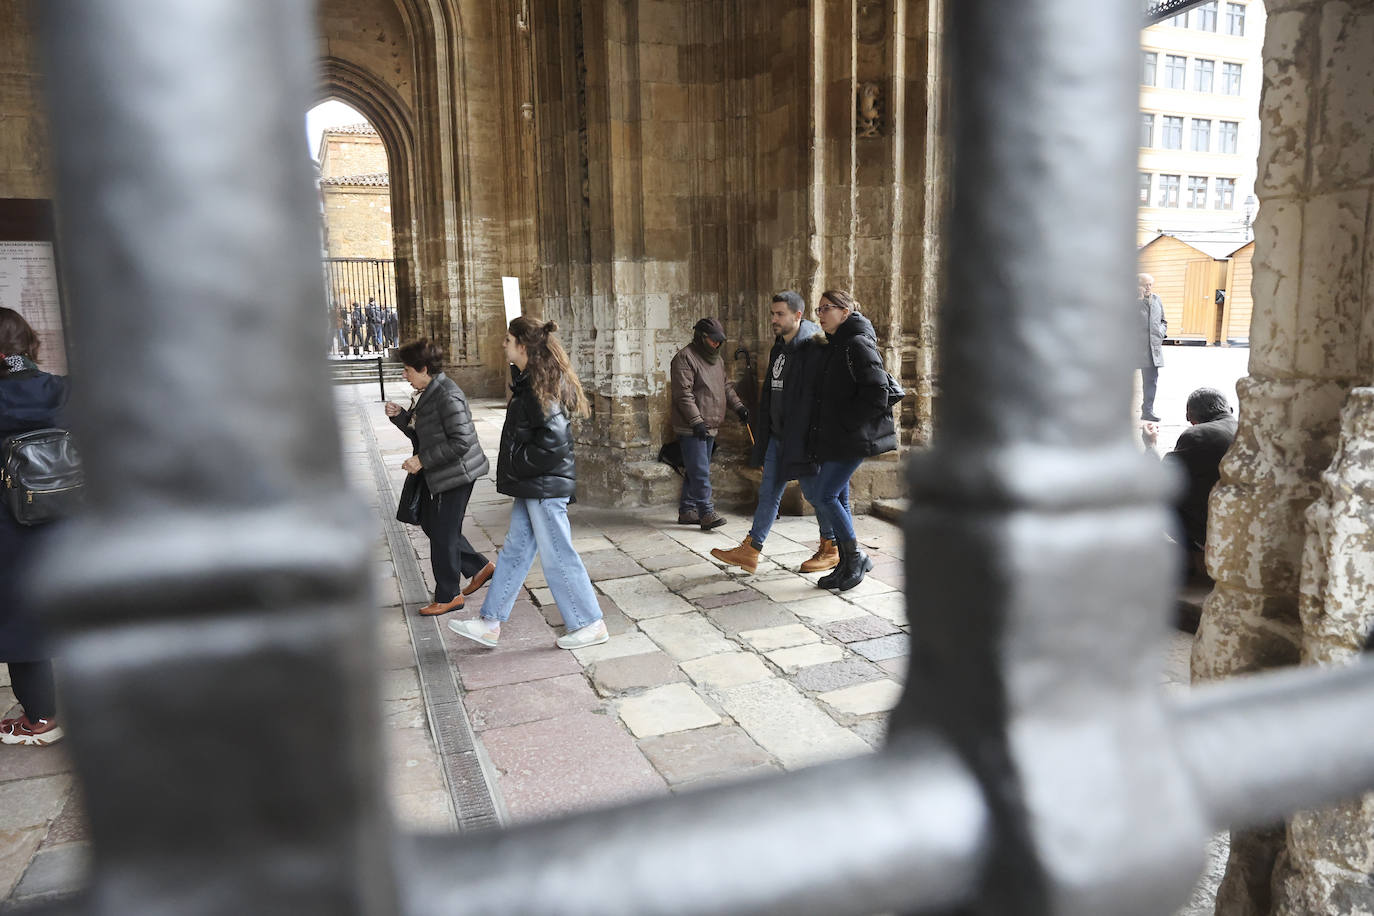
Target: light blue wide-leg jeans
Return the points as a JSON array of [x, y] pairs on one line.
[[541, 526]]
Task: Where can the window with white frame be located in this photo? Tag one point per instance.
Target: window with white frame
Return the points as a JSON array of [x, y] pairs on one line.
[[1226, 194], [1171, 132], [1168, 190], [1175, 71], [1147, 129], [1235, 19], [1202, 135], [1197, 192], [1228, 136], [1230, 79], [1206, 18], [1146, 179], [1202, 74], [1149, 63], [1180, 21]]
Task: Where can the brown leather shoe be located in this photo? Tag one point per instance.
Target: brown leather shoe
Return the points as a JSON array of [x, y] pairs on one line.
[[745, 556], [827, 556], [438, 607], [480, 579]]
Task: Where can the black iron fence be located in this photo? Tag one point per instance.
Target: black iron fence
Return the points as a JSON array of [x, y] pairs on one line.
[[350, 280]]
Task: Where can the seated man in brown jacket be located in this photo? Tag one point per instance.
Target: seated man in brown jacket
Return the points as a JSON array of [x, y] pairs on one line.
[[701, 391]]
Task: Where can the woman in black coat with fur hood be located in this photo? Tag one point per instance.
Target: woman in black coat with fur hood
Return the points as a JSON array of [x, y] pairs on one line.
[[850, 421]]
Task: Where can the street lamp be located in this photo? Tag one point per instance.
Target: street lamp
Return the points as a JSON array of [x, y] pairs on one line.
[[1251, 205]]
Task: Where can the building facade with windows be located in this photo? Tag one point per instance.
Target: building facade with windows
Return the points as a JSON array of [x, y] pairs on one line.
[[1200, 79]]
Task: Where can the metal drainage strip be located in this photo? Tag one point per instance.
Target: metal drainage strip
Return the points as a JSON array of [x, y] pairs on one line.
[[470, 788]]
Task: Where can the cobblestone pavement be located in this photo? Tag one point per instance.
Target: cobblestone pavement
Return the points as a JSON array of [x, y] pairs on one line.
[[710, 673]]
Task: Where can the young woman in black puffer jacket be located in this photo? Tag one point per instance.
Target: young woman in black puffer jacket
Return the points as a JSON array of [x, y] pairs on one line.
[[536, 467], [450, 460], [850, 421]]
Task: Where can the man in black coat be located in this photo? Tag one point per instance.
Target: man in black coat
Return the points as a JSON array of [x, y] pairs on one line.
[[1198, 455], [779, 428], [357, 323]]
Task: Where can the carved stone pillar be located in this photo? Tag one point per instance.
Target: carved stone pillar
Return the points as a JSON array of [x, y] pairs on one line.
[[1311, 340]]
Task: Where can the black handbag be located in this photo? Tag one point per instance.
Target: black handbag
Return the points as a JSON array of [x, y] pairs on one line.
[[412, 491], [42, 476]]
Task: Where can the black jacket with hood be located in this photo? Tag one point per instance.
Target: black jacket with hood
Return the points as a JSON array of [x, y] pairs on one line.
[[536, 459], [444, 437], [851, 417], [798, 393]]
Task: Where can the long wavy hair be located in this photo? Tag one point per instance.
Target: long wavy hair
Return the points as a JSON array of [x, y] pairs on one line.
[[549, 369], [16, 338]]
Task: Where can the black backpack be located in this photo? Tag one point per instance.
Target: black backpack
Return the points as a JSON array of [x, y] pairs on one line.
[[42, 476]]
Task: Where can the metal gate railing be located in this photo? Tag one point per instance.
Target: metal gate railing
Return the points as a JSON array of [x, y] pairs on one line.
[[350, 280], [214, 604]]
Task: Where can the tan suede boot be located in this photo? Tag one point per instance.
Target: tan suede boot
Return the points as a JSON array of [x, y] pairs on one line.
[[745, 556], [827, 556]]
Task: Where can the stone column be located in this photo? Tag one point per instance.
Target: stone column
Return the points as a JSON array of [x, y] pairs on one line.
[[1310, 346]]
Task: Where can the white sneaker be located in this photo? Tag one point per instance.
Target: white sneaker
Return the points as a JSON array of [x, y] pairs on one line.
[[593, 634], [479, 631]]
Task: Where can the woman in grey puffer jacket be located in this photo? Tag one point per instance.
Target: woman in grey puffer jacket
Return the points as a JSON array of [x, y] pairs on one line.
[[450, 460]]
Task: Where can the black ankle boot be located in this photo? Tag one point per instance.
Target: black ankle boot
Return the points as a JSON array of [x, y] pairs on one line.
[[853, 564]]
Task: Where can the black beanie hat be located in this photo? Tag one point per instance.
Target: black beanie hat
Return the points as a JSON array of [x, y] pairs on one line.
[[711, 329]]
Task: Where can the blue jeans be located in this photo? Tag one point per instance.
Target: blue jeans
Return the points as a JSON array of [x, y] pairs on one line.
[[771, 488], [696, 475], [824, 491], [541, 525]]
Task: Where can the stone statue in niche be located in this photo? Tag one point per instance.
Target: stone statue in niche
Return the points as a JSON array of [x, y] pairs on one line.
[[870, 110]]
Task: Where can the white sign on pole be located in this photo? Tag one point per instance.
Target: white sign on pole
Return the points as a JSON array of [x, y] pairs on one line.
[[511, 287]]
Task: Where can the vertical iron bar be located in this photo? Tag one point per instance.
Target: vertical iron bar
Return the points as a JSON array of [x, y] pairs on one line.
[[1035, 555], [381, 379], [213, 605]]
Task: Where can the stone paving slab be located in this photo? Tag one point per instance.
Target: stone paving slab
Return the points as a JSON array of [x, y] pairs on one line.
[[882, 648], [667, 709], [788, 725], [792, 659], [766, 640], [751, 615], [644, 596], [836, 675], [855, 629], [704, 755], [568, 763], [528, 701], [686, 636], [630, 672], [628, 643], [825, 608], [863, 699], [728, 669]]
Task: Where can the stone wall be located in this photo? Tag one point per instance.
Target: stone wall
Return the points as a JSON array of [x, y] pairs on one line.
[[25, 148], [696, 157], [1291, 527], [358, 221], [351, 153]]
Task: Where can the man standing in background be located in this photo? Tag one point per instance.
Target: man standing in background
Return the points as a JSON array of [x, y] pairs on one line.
[[1154, 329]]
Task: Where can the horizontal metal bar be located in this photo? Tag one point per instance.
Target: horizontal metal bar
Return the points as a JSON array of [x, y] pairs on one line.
[[904, 830], [1167, 9], [1259, 748]]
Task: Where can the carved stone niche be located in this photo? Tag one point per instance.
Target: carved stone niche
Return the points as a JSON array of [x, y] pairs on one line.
[[869, 110], [870, 23]]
